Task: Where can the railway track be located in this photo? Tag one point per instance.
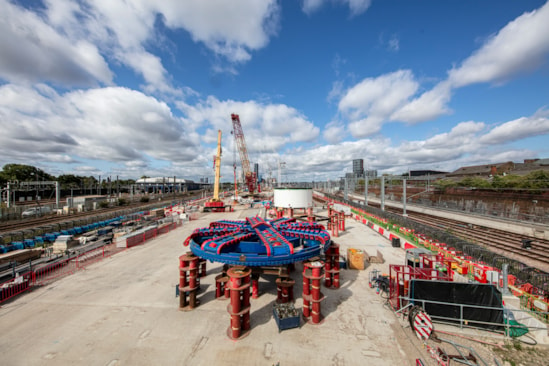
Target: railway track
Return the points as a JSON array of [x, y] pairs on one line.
[[21, 225], [498, 241], [25, 224]]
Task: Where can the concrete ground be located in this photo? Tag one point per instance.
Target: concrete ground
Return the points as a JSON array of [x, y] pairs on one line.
[[123, 311]]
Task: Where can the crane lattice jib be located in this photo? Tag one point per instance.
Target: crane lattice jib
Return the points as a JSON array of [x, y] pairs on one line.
[[243, 151]]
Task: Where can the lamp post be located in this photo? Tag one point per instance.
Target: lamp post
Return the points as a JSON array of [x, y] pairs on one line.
[[72, 198]]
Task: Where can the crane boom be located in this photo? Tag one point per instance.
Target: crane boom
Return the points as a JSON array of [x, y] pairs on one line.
[[249, 176]]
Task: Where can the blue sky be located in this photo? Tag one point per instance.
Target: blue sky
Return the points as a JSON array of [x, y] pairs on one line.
[[134, 88]]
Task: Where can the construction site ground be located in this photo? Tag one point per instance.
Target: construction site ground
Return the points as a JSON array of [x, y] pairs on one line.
[[123, 311]]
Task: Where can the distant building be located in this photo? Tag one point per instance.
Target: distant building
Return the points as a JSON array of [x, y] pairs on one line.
[[86, 203], [167, 184], [422, 173], [531, 165], [358, 168], [371, 173], [486, 170]]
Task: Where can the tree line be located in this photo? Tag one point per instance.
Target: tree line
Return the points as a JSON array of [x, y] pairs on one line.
[[535, 180], [29, 173]]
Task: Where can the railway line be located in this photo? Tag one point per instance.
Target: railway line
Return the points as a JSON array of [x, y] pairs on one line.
[[32, 223], [23, 224], [501, 242], [8, 270]]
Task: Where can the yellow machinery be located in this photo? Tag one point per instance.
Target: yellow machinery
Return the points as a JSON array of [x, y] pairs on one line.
[[215, 204]]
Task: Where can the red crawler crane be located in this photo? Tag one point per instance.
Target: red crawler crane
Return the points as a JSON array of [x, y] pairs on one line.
[[249, 176]]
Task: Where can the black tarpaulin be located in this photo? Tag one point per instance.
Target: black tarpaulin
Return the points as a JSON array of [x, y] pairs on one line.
[[456, 294]]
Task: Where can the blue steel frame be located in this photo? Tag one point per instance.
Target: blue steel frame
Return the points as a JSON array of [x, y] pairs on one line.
[[256, 242]]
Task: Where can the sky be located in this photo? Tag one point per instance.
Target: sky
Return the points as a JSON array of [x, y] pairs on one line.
[[140, 88]]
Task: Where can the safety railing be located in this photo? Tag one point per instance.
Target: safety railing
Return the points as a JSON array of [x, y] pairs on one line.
[[48, 273], [16, 286], [514, 322], [89, 257]]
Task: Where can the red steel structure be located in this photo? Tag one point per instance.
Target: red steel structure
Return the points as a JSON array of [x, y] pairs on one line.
[[249, 176], [312, 276], [189, 281], [239, 308], [332, 266]]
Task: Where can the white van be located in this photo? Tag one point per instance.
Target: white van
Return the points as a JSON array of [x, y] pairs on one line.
[[36, 211]]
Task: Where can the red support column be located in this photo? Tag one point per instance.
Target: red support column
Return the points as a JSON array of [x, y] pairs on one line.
[[239, 308], [328, 266], [221, 290], [342, 221], [202, 267], [227, 289], [188, 281], [246, 303], [336, 268], [310, 215], [332, 266], [335, 225], [306, 294], [313, 272], [255, 286], [285, 290]]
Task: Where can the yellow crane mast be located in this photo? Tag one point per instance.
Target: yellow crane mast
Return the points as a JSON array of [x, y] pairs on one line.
[[215, 204]]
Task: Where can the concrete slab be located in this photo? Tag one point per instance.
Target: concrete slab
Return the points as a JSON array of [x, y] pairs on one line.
[[123, 311]]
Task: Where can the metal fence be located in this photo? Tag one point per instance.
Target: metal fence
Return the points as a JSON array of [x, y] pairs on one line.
[[51, 272], [523, 272]]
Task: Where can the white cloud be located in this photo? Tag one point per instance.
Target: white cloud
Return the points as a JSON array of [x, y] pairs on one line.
[[371, 102], [149, 66], [520, 46], [336, 92], [518, 129], [73, 39], [229, 28], [461, 146], [357, 7], [112, 124], [460, 135], [428, 106], [394, 43], [334, 132], [366, 126], [266, 127], [337, 63], [33, 51], [310, 6], [129, 131]]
